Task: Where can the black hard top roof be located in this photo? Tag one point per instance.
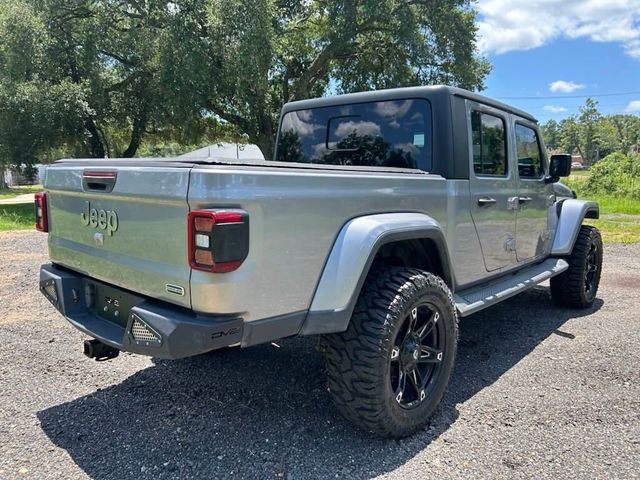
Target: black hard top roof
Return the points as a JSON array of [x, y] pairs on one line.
[[395, 93]]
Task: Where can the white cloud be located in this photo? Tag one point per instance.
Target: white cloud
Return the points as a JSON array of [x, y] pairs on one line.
[[633, 48], [296, 121], [508, 25], [393, 109], [305, 115], [633, 107], [564, 86], [360, 128], [554, 109]]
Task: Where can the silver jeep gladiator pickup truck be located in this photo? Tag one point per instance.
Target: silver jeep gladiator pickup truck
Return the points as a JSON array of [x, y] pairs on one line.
[[384, 217]]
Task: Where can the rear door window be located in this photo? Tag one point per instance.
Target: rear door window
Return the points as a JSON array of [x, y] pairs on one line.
[[393, 133], [489, 145]]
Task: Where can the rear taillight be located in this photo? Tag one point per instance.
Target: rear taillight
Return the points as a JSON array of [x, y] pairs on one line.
[[218, 239], [42, 222]]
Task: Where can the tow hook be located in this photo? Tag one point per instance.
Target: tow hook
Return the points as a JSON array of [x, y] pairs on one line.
[[100, 351]]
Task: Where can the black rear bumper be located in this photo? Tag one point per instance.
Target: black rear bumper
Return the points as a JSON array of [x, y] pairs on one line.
[[148, 327]]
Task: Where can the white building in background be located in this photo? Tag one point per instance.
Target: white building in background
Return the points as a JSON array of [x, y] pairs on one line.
[[13, 177], [229, 151]]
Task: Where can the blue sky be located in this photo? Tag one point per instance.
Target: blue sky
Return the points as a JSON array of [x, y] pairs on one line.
[[562, 49]]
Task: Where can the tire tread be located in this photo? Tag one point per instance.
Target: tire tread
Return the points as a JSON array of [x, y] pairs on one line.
[[567, 289], [355, 358]]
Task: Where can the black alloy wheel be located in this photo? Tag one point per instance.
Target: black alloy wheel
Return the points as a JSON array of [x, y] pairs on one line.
[[416, 356]]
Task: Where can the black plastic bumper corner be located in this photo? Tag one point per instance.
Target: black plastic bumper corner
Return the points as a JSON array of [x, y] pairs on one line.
[[168, 331]]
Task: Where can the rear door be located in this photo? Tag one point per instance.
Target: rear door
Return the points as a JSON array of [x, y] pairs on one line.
[[493, 185], [535, 196], [124, 225]]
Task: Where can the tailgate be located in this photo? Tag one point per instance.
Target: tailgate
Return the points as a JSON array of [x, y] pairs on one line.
[[131, 233]]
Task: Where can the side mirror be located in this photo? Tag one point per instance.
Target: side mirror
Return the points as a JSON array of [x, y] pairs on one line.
[[560, 165]]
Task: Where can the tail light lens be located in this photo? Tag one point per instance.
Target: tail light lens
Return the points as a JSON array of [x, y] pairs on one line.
[[42, 221], [218, 239]]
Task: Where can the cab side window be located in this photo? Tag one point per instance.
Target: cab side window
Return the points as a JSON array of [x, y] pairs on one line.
[[489, 145], [530, 159]]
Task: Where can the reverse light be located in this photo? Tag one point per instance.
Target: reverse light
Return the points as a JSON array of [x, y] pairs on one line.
[[202, 240], [218, 239], [40, 210]]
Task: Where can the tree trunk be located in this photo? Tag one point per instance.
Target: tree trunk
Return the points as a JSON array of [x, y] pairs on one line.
[[584, 159], [137, 133], [96, 145], [266, 144], [265, 138]]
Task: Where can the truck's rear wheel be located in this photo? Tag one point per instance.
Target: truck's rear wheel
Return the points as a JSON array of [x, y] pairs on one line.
[[577, 286], [389, 370]]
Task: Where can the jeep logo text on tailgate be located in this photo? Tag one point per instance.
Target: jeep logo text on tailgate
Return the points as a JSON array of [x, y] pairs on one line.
[[102, 219]]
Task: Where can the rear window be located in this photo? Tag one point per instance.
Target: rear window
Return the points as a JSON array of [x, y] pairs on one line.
[[394, 133]]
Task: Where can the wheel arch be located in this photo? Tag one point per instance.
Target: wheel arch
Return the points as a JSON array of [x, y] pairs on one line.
[[398, 239], [571, 214]]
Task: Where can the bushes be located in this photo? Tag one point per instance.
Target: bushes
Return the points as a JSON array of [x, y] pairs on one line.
[[615, 175]]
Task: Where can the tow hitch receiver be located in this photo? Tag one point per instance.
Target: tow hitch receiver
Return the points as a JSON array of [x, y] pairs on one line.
[[100, 351]]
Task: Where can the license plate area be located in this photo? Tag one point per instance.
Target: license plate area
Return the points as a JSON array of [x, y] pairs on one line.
[[112, 304]]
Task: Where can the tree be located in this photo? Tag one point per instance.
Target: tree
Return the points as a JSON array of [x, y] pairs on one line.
[[269, 52], [627, 129], [35, 113], [606, 138], [570, 138], [114, 48], [122, 71], [593, 135], [552, 134], [589, 119], [111, 56]]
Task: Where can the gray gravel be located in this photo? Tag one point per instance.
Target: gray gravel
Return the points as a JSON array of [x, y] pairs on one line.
[[538, 392]]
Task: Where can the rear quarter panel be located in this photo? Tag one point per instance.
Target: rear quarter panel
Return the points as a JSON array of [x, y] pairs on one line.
[[295, 217]]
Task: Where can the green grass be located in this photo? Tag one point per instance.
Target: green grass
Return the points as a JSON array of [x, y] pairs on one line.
[[15, 191], [617, 228], [612, 205], [579, 173], [16, 217], [619, 220], [619, 216]]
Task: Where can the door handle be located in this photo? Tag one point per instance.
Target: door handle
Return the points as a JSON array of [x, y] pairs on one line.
[[524, 199], [485, 201]]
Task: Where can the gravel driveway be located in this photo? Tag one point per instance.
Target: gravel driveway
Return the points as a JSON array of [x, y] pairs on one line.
[[538, 392]]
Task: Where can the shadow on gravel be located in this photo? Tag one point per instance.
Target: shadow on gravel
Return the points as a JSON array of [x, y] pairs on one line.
[[264, 412]]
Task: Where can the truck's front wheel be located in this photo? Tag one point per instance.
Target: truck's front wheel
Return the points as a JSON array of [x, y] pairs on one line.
[[577, 286], [389, 370]]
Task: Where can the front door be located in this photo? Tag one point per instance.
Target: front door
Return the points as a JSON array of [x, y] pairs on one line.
[[533, 238], [493, 186]]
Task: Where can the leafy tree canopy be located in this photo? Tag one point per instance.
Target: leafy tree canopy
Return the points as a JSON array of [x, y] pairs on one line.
[[302, 49], [99, 78], [593, 135]]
